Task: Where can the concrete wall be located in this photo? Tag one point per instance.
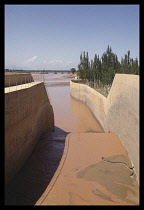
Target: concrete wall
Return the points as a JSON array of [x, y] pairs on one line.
[[17, 79], [122, 116], [28, 114], [93, 99], [118, 113]]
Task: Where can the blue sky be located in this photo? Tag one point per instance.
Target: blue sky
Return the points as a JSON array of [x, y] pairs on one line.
[[53, 36]]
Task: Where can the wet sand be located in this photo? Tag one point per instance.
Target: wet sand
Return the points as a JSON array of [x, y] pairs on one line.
[[84, 177]]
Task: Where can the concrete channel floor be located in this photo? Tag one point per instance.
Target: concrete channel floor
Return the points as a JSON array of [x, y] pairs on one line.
[[94, 170]]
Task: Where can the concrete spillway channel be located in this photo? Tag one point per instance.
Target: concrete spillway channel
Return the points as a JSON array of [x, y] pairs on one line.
[[77, 164]]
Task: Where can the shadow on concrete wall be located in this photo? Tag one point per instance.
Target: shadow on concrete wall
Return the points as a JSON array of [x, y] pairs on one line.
[[33, 179]]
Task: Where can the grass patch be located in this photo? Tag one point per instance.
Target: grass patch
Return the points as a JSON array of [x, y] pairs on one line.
[[102, 89]]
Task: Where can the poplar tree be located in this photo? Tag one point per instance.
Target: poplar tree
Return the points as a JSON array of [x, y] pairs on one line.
[[102, 71]]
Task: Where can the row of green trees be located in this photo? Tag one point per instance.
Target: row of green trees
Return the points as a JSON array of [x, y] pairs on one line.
[[102, 70]]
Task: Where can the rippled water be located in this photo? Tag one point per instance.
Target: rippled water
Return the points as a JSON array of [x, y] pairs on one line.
[[70, 116]]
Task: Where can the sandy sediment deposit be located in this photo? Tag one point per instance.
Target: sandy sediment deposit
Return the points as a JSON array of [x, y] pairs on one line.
[[94, 170]]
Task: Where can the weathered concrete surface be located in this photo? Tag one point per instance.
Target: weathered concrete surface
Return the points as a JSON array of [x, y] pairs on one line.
[[17, 79], [94, 170], [28, 114], [93, 99], [122, 116], [118, 113]]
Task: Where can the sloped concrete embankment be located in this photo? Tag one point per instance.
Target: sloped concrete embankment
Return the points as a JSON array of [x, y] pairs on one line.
[[28, 114], [118, 113]]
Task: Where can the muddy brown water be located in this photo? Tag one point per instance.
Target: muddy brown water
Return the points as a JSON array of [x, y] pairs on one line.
[[70, 116]]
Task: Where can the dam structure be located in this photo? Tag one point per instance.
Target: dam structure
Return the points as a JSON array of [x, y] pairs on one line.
[[66, 144], [28, 113]]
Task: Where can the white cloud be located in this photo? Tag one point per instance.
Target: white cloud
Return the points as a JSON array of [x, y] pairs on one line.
[[53, 64], [31, 59], [57, 64], [30, 63], [53, 61]]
